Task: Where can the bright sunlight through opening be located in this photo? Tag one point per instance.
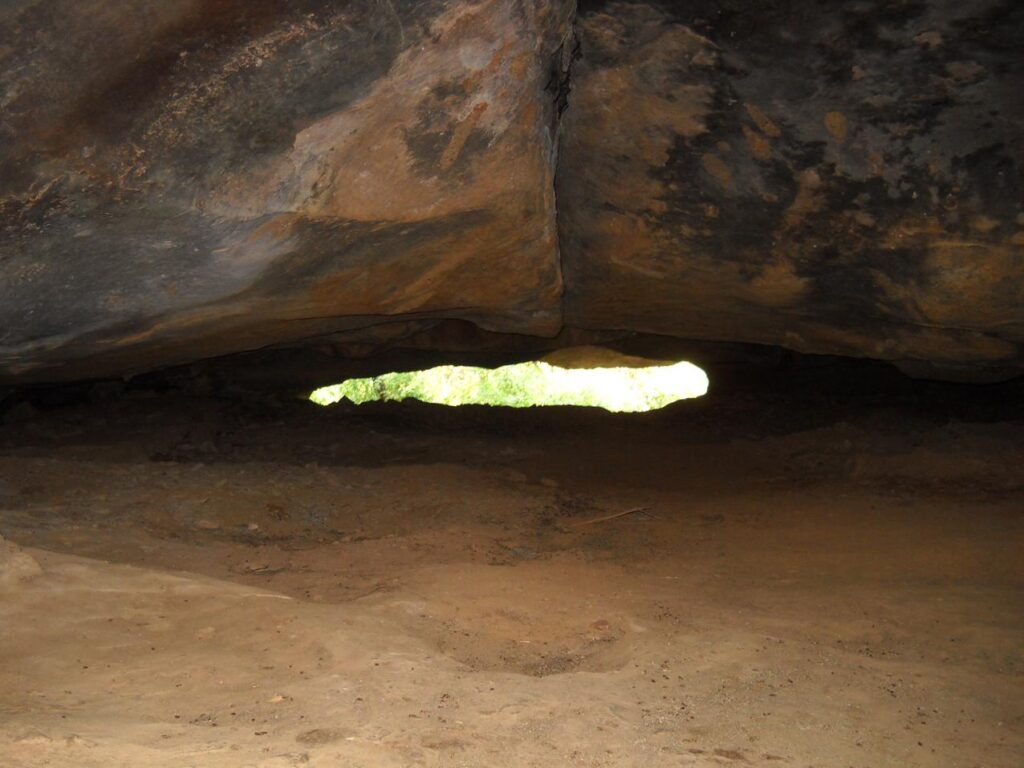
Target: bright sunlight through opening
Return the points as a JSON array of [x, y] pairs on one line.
[[529, 384]]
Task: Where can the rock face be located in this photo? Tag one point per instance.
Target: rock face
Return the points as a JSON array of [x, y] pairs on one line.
[[190, 179], [830, 177], [195, 178]]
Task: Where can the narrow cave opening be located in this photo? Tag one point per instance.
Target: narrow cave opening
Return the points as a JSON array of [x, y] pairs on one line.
[[616, 388]]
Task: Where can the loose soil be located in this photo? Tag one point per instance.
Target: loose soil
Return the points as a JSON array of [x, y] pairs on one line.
[[225, 584]]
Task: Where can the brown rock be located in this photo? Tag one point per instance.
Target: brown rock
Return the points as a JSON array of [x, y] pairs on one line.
[[217, 178], [16, 565]]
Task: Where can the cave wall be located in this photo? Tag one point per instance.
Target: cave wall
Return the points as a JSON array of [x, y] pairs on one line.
[[186, 179], [830, 177]]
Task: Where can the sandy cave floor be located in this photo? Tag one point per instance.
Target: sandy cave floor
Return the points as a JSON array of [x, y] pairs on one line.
[[229, 585]]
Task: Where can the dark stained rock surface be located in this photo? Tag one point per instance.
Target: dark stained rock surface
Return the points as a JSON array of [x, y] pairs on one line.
[[186, 179], [183, 179], [830, 177]]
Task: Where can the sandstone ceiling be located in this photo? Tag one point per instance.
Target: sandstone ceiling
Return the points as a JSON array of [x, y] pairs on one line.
[[181, 179]]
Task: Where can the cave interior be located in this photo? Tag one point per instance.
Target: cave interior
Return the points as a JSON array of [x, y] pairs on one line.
[[211, 208]]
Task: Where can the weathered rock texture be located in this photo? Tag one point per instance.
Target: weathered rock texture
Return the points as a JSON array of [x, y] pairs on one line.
[[840, 177], [183, 179], [186, 179]]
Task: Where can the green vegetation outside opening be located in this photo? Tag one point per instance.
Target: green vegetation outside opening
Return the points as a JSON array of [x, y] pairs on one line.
[[529, 384]]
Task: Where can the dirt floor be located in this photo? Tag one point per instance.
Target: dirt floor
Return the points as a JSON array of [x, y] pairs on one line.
[[742, 581]]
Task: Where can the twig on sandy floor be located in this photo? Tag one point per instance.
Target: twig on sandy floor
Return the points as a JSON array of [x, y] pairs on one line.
[[613, 516]]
